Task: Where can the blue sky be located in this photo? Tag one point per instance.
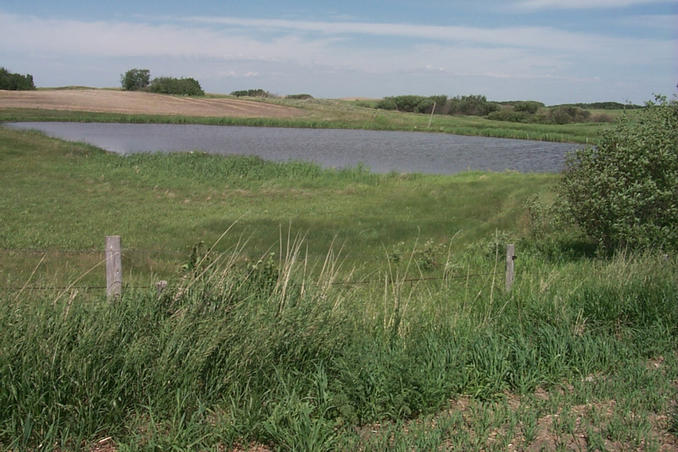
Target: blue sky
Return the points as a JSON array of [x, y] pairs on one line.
[[554, 51]]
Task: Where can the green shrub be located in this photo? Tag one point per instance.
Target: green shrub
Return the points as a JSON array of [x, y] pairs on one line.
[[135, 79], [299, 96], [475, 105], [510, 115], [527, 106], [624, 193], [171, 85], [567, 115], [387, 103], [11, 81], [251, 93]]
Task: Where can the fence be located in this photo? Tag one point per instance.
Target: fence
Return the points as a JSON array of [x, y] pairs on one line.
[[113, 254]]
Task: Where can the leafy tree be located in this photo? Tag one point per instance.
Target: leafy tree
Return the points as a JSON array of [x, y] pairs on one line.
[[170, 85], [11, 81], [135, 79], [624, 192], [251, 93]]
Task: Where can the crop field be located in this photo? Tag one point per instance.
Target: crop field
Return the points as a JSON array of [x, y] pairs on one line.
[[312, 309]]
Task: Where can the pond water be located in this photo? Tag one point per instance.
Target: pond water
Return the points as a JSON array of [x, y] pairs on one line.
[[380, 151]]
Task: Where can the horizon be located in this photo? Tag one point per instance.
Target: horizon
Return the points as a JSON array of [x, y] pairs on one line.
[[578, 52]]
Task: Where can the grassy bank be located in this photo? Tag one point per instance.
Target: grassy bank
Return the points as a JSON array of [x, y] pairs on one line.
[[343, 115], [62, 199]]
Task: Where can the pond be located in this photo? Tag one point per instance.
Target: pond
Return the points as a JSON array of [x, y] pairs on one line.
[[380, 151]]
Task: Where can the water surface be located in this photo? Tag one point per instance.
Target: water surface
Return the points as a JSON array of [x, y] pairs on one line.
[[380, 151]]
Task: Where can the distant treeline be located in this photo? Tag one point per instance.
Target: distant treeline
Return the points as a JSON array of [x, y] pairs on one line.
[[140, 80], [440, 104], [11, 81], [258, 92], [252, 93], [514, 111], [602, 106]]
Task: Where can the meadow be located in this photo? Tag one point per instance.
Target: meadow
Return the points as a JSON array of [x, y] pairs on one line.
[[312, 309]]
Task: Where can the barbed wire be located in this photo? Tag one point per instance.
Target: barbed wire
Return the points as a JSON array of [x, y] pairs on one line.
[[338, 283]]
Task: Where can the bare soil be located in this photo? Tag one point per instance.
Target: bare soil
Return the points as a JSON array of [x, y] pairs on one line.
[[132, 102]]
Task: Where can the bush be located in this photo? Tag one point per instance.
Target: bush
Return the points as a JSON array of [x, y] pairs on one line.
[[387, 103], [475, 105], [567, 115], [510, 115], [11, 81], [171, 85], [413, 104], [299, 96], [624, 193], [527, 106], [251, 93], [135, 79]]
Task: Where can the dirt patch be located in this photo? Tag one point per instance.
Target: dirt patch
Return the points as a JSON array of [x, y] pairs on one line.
[[132, 102]]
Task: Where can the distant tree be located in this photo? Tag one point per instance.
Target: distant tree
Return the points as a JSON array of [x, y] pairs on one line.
[[170, 85], [11, 81], [251, 93], [135, 79]]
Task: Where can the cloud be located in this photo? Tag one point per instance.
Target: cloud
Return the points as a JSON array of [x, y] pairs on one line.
[[583, 4], [295, 53]]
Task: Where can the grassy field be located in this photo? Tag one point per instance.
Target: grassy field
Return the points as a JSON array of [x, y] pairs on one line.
[[425, 350], [325, 113], [64, 198]]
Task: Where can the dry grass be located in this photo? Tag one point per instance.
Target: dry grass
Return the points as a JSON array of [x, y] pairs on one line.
[[132, 102]]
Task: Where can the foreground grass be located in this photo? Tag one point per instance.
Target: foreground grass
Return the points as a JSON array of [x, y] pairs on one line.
[[580, 354], [343, 115], [62, 198]]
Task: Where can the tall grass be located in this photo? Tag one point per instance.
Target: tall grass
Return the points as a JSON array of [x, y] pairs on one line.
[[275, 352]]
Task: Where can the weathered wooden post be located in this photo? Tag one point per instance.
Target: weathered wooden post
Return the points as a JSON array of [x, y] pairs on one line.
[[113, 266], [510, 257]]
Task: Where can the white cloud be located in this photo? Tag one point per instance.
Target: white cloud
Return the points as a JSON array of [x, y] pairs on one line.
[[293, 54]]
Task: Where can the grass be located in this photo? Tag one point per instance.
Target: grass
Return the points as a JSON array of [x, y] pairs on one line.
[[342, 115], [63, 198], [237, 354], [277, 352]]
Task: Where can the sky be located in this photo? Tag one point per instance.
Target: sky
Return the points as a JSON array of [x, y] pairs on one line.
[[553, 51]]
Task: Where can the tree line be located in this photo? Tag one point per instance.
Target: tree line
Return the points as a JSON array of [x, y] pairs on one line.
[[12, 81], [140, 80]]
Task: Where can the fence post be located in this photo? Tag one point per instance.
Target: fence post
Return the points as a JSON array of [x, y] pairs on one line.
[[113, 266], [510, 257]]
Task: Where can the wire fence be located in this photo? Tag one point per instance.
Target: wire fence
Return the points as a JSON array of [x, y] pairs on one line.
[[130, 252]]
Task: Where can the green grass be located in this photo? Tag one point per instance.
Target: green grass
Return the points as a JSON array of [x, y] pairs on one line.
[[427, 352], [59, 197], [342, 115]]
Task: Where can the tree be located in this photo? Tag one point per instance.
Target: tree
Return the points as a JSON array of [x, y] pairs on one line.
[[170, 85], [624, 192], [135, 79], [11, 81]]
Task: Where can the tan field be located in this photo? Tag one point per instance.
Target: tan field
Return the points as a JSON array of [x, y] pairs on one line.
[[132, 102]]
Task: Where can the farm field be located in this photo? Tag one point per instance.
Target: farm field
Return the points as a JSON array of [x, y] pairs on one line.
[[123, 106], [134, 102], [315, 309]]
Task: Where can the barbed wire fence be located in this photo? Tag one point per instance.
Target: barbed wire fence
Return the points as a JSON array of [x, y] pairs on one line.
[[113, 254]]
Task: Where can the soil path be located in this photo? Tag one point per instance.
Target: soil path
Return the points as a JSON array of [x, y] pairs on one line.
[[131, 102]]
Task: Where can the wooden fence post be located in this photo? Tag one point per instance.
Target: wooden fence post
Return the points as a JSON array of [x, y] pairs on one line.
[[113, 266], [510, 257]]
